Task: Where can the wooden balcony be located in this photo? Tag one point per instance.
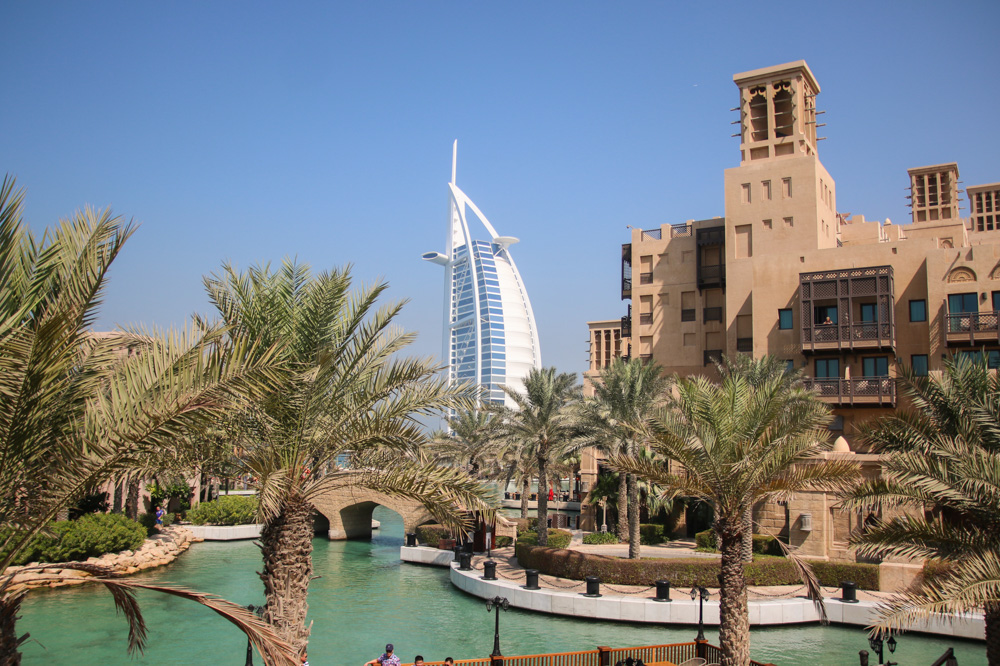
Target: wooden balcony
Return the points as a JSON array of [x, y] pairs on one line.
[[847, 293], [852, 335], [972, 328], [855, 392]]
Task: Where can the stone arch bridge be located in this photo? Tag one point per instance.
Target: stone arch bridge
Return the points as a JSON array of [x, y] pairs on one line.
[[346, 513]]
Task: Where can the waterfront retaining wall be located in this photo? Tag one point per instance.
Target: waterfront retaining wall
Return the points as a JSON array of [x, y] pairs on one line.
[[156, 551]]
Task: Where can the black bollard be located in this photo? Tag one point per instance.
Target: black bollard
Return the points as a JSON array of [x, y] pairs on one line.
[[468, 547], [863, 656], [411, 540], [848, 592], [593, 587], [531, 579], [489, 570], [458, 551], [465, 561], [662, 590]]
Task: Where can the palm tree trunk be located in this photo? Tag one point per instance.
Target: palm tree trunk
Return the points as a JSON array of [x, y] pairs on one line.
[[10, 605], [117, 506], [525, 493], [132, 498], [286, 545], [734, 617], [543, 502], [747, 534], [633, 517], [622, 526], [992, 617]]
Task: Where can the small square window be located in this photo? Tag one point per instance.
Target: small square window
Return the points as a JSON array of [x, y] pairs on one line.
[[918, 310], [785, 319], [789, 366], [768, 224], [789, 222], [919, 364]]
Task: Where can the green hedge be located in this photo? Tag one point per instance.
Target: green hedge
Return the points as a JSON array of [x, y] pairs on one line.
[[651, 534], [227, 510], [705, 540], [431, 534], [503, 541], [763, 544], [683, 572], [600, 538], [92, 535], [557, 538]]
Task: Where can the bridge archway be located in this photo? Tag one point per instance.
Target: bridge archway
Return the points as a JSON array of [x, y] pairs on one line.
[[348, 512]]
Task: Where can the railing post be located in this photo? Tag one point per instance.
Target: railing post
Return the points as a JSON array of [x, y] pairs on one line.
[[701, 648], [603, 655]]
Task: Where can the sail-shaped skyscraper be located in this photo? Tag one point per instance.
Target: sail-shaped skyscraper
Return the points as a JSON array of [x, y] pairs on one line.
[[490, 337]]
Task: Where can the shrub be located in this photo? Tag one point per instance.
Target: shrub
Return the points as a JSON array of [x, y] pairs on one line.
[[651, 534], [557, 538], [765, 544], [705, 540], [684, 572], [90, 503], [934, 571], [600, 538], [526, 525], [227, 510], [91, 536], [431, 534], [503, 541], [831, 574]]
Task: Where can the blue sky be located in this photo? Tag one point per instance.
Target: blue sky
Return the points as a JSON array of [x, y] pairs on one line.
[[249, 131]]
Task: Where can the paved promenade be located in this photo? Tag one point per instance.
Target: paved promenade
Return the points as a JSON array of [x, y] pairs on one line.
[[768, 606]]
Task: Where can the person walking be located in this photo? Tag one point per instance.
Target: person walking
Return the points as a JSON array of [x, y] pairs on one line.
[[159, 516]]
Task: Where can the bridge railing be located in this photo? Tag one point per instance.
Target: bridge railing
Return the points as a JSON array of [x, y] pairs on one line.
[[670, 652]]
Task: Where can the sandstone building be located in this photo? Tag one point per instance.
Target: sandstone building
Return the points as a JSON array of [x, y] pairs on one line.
[[785, 272]]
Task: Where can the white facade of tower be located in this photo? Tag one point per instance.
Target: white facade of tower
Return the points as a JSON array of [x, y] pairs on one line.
[[490, 336]]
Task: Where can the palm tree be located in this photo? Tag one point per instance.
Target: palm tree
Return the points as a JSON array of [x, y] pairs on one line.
[[738, 442], [942, 455], [625, 398], [348, 392], [604, 491], [76, 411], [545, 426], [468, 441], [757, 371]]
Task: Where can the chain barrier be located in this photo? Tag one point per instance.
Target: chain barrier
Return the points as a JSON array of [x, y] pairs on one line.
[[788, 593], [564, 587], [620, 591]]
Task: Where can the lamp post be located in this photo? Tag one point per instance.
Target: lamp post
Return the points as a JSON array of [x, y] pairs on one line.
[[604, 515], [701, 594], [258, 611], [499, 603], [876, 645]]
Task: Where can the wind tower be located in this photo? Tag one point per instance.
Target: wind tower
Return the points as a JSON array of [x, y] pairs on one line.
[[489, 332]]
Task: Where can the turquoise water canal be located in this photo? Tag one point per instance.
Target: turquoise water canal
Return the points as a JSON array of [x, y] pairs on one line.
[[367, 598]]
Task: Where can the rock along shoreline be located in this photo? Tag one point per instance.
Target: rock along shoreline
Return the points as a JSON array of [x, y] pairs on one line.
[[156, 551]]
